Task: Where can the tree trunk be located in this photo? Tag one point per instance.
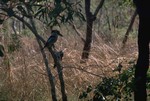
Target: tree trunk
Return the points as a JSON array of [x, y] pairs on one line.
[[60, 74], [143, 60], [50, 76], [87, 44], [142, 66], [89, 25], [39, 38]]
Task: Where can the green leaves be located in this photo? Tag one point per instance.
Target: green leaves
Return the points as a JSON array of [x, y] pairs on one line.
[[84, 94], [52, 13], [89, 89], [80, 15], [57, 12], [22, 10], [25, 8], [108, 86], [118, 87]]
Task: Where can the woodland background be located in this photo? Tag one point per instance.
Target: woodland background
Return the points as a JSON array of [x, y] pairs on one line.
[[108, 71]]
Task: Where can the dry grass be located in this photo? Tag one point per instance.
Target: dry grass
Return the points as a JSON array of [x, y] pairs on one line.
[[23, 75]]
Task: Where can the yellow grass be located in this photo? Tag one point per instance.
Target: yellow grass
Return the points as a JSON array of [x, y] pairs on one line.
[[24, 77]]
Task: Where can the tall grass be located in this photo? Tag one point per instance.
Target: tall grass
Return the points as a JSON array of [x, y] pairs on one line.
[[22, 72], [23, 76]]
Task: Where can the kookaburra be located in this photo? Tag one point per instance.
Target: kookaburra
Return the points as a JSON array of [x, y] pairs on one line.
[[52, 39]]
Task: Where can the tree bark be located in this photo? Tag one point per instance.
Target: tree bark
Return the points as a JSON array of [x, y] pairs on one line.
[[60, 74], [142, 65], [89, 25]]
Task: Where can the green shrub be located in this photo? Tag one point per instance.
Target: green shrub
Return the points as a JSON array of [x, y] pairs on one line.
[[120, 86]]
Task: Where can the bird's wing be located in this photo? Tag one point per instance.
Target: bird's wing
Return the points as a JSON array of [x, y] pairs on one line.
[[52, 39]]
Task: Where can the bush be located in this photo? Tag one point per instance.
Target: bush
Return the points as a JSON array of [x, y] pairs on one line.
[[118, 87]]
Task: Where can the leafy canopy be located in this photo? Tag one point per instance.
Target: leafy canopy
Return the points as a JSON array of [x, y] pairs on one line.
[[50, 12]]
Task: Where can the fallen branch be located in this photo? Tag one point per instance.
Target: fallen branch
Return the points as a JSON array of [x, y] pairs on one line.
[[97, 75]]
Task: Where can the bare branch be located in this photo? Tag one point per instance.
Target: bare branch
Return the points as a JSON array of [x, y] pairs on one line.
[[77, 31], [50, 76], [98, 8], [81, 69], [59, 70], [129, 29]]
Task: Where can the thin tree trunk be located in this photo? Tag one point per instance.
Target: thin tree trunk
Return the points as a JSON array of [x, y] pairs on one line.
[[89, 25], [60, 74], [129, 29], [50, 76], [77, 31]]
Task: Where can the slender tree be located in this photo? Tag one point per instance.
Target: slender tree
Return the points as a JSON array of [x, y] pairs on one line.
[[90, 18], [129, 29], [143, 9]]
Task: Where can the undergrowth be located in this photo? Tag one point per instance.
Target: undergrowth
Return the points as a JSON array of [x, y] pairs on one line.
[[116, 88]]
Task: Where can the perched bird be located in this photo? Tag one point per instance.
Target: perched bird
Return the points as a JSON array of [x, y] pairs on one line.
[[52, 39]]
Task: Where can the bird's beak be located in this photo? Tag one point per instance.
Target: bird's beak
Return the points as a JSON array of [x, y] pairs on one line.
[[60, 34]]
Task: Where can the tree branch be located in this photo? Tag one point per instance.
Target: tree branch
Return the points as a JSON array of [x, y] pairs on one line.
[[81, 69], [129, 29], [50, 76], [98, 8], [60, 73], [77, 31]]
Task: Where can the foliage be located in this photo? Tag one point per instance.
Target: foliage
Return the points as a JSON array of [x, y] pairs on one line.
[[50, 12], [118, 87], [58, 12]]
